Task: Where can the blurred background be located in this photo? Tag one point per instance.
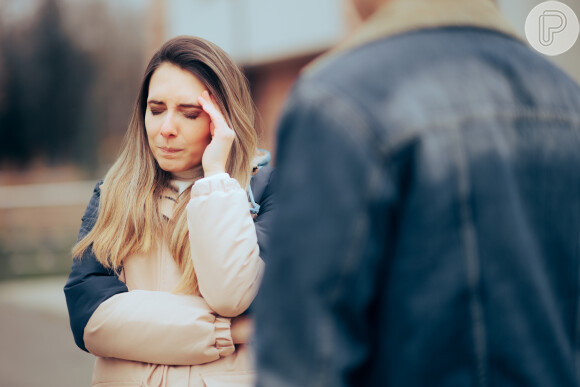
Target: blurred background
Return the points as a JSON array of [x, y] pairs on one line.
[[69, 73]]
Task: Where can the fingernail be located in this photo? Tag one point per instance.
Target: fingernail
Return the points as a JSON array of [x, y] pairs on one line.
[[205, 94]]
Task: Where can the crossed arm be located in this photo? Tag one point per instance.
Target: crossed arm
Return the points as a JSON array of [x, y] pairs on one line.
[[166, 328]]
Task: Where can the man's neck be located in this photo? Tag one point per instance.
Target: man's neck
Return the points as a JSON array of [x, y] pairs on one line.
[[395, 17]]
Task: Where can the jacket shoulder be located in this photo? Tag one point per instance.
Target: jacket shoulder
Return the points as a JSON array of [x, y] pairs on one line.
[[261, 183], [91, 212]]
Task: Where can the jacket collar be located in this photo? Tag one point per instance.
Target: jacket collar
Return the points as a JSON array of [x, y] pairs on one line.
[[400, 16]]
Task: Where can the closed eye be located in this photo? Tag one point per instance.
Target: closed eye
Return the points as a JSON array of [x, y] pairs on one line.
[[156, 107], [192, 116], [191, 112]]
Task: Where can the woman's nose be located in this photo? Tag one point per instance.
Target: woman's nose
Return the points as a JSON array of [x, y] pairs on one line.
[[168, 129]]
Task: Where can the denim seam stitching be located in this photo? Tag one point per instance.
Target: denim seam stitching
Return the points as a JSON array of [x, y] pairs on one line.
[[450, 122], [473, 264], [577, 349]]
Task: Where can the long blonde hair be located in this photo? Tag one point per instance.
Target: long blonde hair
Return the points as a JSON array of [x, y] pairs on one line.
[[129, 219]]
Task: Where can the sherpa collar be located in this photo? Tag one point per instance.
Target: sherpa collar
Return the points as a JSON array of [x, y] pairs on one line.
[[400, 16]]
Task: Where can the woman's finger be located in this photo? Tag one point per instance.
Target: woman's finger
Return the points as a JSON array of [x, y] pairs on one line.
[[210, 107]]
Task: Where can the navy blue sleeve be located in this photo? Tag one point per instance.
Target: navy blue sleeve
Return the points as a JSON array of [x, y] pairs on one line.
[[264, 196], [89, 283], [261, 185]]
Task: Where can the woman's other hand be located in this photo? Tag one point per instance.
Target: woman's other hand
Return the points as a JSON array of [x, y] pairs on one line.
[[216, 154], [241, 328]]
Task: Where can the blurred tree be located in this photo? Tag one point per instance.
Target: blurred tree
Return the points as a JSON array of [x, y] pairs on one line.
[[113, 33], [44, 93]]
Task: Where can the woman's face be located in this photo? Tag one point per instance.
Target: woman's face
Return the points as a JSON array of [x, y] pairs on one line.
[[177, 127]]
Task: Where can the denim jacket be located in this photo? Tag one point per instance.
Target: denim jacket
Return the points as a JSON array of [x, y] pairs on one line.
[[428, 222]]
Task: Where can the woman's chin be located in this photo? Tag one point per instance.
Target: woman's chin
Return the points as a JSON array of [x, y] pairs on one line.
[[172, 167]]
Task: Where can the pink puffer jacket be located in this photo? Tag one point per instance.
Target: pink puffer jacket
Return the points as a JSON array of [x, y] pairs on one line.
[[152, 337]]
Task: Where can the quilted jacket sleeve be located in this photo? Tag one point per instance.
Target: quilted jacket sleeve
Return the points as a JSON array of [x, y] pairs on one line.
[[158, 327], [224, 245]]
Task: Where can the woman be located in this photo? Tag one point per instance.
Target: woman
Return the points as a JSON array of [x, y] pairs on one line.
[[169, 255]]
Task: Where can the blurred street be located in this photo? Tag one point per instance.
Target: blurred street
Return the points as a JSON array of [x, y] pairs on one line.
[[37, 348]]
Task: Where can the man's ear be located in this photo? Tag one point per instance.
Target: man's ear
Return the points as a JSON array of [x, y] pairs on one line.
[[365, 8]]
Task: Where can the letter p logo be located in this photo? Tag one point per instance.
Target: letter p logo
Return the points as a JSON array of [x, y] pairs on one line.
[[551, 23], [552, 28]]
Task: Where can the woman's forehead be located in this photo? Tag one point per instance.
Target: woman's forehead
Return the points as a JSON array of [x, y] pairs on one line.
[[171, 81]]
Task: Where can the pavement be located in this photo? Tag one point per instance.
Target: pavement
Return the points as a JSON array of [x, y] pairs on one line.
[[36, 344], [53, 194]]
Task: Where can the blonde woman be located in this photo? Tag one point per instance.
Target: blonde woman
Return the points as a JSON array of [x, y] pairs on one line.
[[170, 249]]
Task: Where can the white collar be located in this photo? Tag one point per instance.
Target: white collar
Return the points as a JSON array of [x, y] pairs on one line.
[[182, 180]]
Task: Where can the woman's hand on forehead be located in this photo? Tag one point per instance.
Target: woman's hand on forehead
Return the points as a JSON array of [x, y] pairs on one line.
[[217, 152]]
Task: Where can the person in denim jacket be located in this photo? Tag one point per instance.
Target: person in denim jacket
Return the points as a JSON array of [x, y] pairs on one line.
[[428, 220]]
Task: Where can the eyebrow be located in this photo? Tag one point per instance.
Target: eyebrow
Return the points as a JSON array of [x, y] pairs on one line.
[[182, 105]]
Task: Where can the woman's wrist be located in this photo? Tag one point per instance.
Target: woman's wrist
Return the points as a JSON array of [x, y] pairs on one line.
[[241, 328], [213, 171]]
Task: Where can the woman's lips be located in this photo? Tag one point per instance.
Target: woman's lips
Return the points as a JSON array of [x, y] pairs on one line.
[[169, 150]]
